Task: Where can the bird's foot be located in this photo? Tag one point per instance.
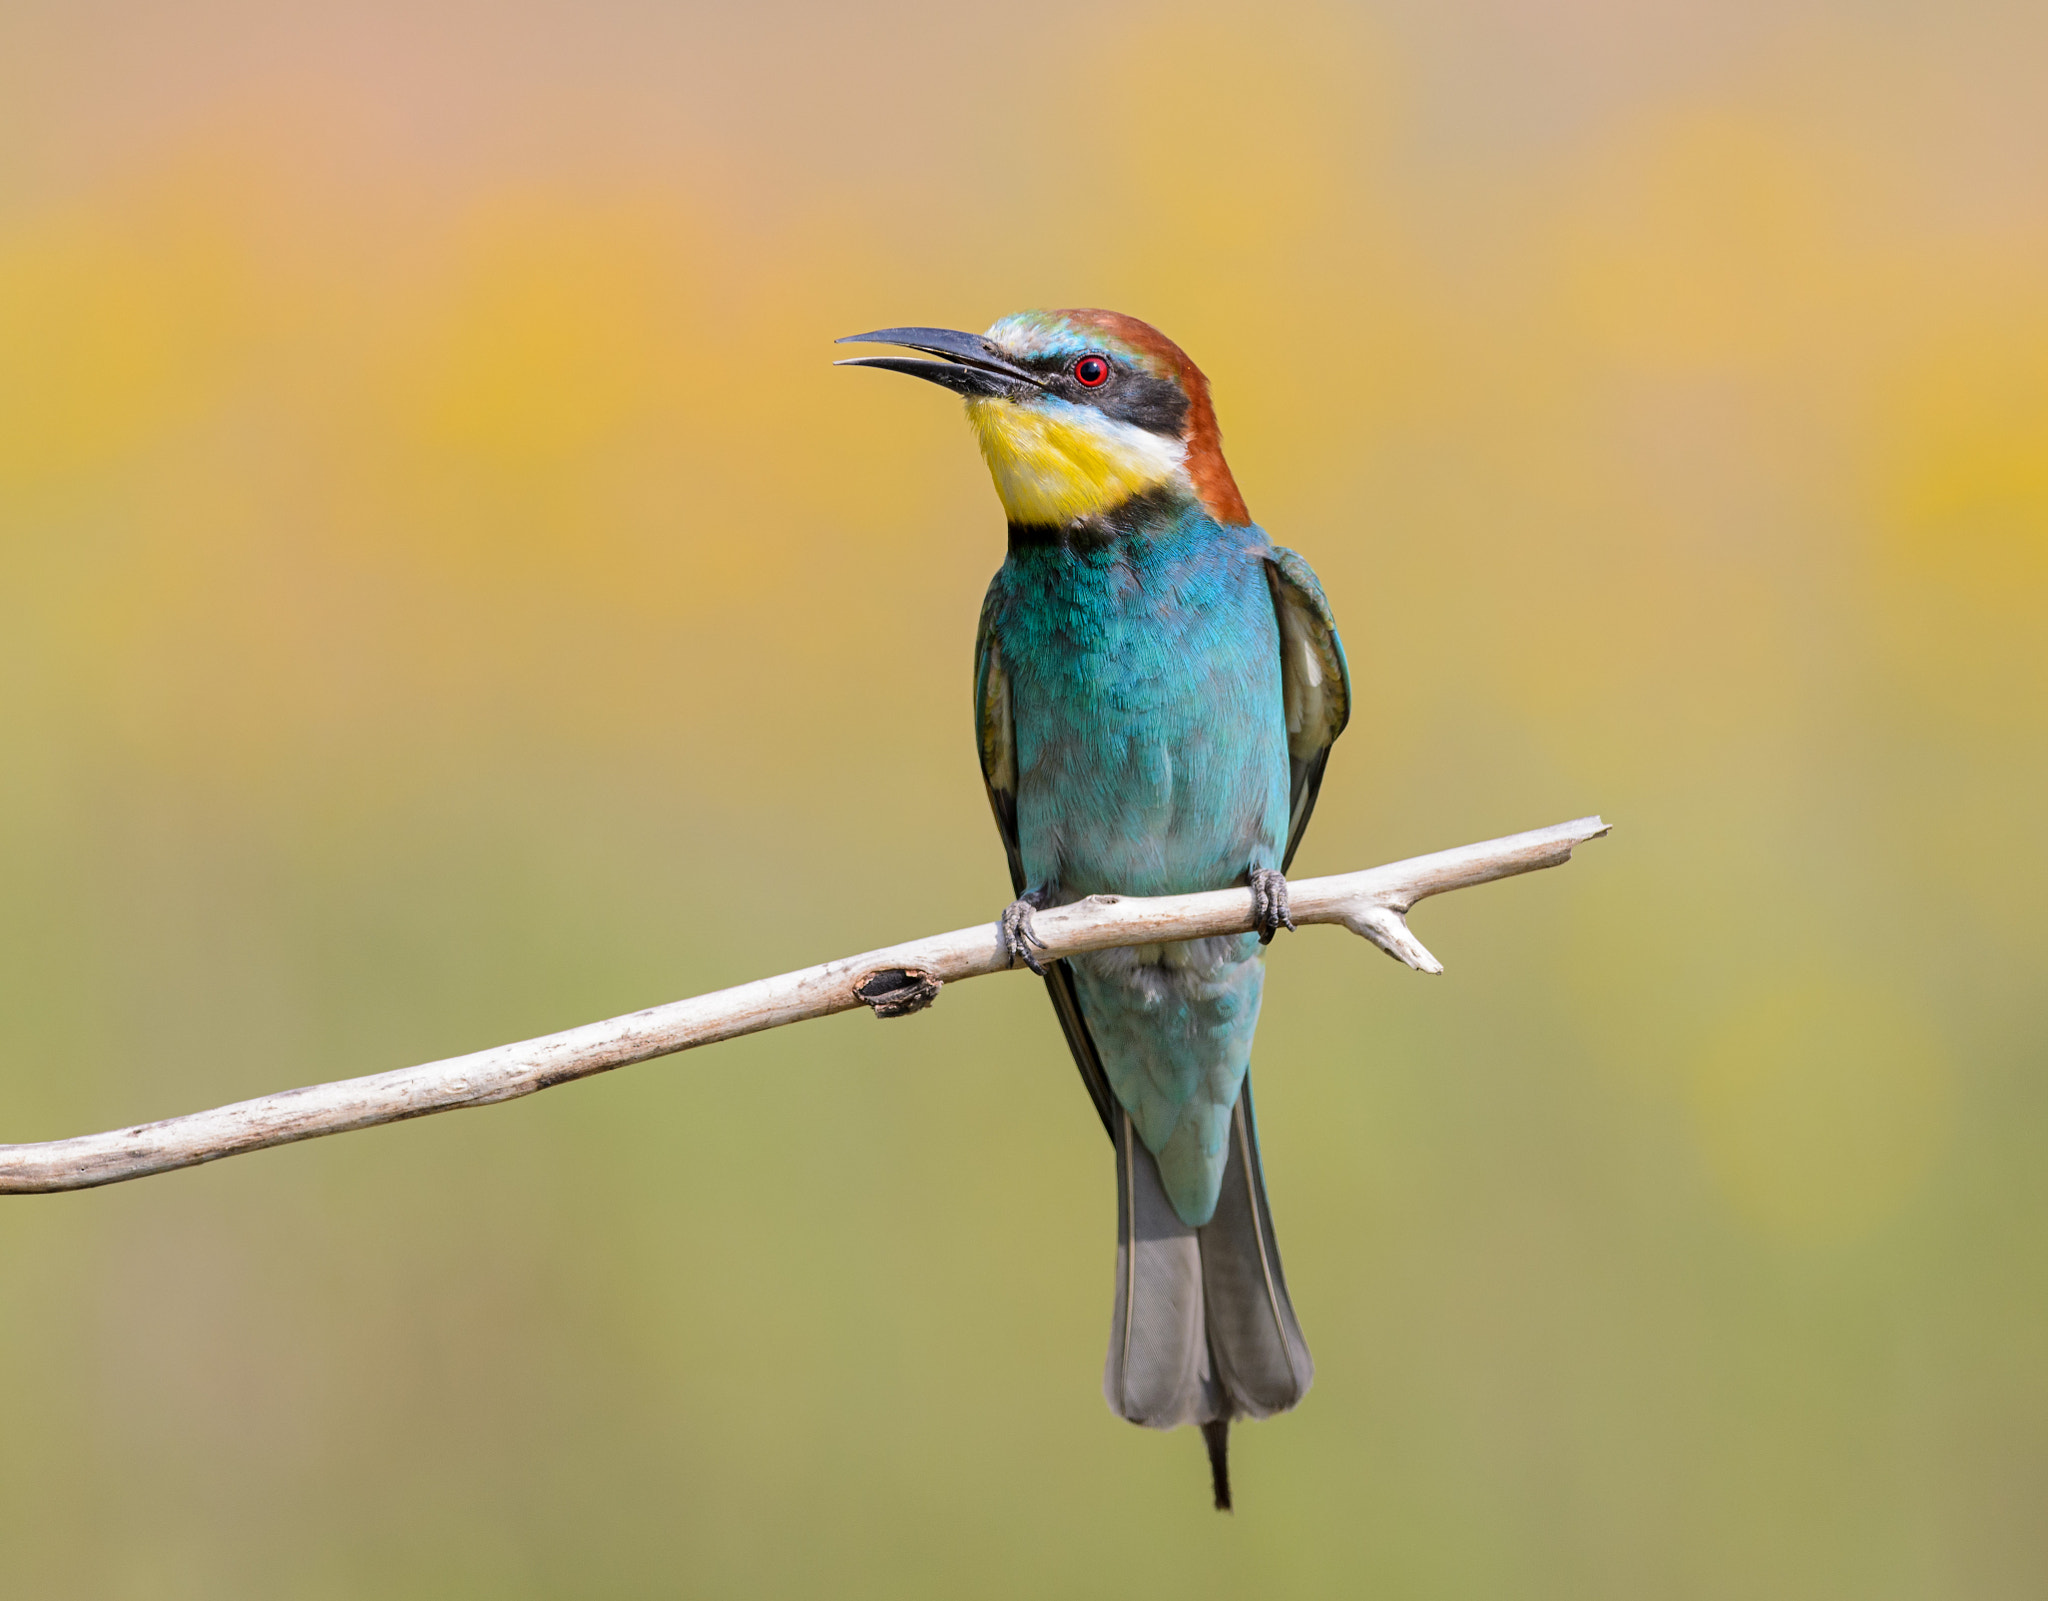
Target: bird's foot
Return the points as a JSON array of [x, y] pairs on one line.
[[1016, 936], [1269, 904]]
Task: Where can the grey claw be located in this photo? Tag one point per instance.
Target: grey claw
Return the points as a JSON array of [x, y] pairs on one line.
[[1017, 937], [1269, 904]]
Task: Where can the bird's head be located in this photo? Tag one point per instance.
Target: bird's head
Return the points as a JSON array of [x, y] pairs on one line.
[[1077, 412]]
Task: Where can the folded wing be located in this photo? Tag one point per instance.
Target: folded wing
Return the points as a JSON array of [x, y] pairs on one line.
[[995, 732], [1315, 683]]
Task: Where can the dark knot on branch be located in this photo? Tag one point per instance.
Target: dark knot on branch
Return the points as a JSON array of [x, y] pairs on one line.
[[899, 991]]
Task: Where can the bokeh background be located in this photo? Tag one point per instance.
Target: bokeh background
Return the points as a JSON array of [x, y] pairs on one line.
[[446, 594]]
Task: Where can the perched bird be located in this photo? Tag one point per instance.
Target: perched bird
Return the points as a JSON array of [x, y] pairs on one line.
[[1156, 690]]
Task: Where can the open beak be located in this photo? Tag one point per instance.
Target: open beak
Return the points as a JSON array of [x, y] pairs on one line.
[[973, 366]]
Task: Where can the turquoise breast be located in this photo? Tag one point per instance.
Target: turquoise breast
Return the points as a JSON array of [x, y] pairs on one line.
[[1152, 759]]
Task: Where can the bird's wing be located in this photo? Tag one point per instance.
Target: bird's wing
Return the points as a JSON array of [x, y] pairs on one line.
[[995, 731], [995, 736], [1314, 679]]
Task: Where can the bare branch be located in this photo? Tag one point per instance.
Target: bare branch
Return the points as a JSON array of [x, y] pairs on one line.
[[895, 980]]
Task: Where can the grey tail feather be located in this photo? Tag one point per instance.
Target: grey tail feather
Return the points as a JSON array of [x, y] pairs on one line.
[[1204, 1331], [1216, 1436], [1254, 1338]]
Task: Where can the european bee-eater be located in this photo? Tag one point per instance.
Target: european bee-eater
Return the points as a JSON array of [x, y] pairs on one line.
[[1156, 690]]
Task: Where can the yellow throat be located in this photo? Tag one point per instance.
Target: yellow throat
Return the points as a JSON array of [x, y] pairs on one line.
[[1054, 463]]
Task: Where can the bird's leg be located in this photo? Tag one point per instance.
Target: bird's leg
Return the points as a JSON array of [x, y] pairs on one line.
[[1014, 928], [1269, 903]]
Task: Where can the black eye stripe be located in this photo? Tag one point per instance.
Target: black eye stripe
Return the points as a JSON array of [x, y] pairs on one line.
[[1137, 397]]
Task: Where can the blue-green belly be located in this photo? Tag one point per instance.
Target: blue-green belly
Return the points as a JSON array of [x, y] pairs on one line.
[[1152, 759]]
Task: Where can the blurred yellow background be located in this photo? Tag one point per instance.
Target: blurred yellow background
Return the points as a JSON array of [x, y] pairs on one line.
[[447, 594]]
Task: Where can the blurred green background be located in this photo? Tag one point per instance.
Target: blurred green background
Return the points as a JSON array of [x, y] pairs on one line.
[[446, 594]]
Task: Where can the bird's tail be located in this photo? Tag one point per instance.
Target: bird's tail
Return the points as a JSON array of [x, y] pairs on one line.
[[1204, 1331]]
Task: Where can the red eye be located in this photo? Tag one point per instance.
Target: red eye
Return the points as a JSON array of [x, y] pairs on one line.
[[1091, 372]]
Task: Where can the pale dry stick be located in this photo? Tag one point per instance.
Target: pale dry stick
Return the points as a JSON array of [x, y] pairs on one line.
[[895, 980]]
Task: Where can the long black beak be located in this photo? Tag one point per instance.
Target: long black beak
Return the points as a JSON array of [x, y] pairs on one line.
[[973, 366]]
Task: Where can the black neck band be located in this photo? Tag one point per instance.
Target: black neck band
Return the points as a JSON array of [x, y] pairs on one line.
[[1127, 519]]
